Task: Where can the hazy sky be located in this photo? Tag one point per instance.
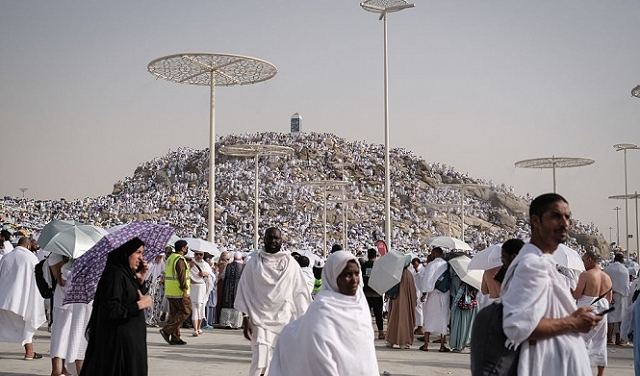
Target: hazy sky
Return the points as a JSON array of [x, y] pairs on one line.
[[474, 84]]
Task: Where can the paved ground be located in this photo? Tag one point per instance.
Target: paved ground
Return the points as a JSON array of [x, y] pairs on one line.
[[226, 352]]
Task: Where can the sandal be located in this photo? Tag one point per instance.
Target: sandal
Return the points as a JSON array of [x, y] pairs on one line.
[[444, 349], [423, 348], [35, 356]]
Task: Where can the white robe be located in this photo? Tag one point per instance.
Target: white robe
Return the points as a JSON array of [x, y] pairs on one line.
[[619, 275], [61, 319], [436, 309], [273, 292], [596, 339], [21, 305], [334, 336], [536, 290]]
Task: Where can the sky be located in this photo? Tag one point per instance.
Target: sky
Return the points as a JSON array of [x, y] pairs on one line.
[[477, 85]]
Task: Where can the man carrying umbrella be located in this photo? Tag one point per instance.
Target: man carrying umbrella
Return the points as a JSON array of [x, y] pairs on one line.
[[21, 306], [176, 284]]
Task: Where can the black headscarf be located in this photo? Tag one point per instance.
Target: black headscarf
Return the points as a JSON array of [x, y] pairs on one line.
[[120, 255]]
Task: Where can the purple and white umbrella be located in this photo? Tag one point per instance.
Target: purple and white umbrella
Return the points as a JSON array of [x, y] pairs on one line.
[[89, 267]]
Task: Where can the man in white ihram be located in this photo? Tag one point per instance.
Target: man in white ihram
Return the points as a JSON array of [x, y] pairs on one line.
[[540, 315], [272, 292], [21, 305], [619, 275]]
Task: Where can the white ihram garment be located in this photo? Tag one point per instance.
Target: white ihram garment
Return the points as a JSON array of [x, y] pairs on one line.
[[436, 308], [21, 305], [61, 320], [334, 336], [596, 339], [536, 290], [273, 292]]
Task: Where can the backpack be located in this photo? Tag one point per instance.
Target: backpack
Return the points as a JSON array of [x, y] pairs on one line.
[[489, 355], [45, 290], [443, 283]]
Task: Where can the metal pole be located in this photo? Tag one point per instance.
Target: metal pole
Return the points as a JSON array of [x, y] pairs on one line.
[[610, 228], [554, 178], [324, 219], [626, 200], [387, 176], [256, 208], [637, 229], [617, 209], [212, 162], [462, 212], [344, 244]]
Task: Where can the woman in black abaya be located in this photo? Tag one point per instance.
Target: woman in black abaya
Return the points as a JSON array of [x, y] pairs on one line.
[[117, 332]]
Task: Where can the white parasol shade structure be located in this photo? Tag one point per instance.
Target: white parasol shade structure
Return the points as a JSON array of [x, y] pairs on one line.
[[553, 163], [206, 69]]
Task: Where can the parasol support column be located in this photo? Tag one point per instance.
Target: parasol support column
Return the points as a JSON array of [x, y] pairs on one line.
[[256, 206], [212, 165]]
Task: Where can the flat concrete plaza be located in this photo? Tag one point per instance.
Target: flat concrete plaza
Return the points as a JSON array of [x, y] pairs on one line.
[[226, 352]]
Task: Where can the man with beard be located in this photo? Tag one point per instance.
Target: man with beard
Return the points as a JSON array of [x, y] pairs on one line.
[[540, 316], [272, 292]]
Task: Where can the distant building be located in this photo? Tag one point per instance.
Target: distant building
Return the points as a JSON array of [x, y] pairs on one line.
[[296, 123]]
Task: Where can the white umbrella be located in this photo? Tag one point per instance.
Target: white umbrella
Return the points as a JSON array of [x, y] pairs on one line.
[[203, 245], [488, 258], [448, 242], [568, 258], [70, 239], [386, 272], [471, 277]]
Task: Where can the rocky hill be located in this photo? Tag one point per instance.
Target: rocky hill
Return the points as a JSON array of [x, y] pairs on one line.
[[426, 197]]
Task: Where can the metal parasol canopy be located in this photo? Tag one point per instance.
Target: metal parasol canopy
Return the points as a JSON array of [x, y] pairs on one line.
[[553, 163], [255, 151], [206, 69], [628, 197], [384, 7], [347, 201], [325, 184]]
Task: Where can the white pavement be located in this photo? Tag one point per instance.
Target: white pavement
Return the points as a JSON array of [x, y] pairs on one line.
[[226, 352]]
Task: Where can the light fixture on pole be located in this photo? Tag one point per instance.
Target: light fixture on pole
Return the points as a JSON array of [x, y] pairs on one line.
[[255, 151], [553, 163], [324, 184], [627, 197], [624, 148], [617, 209], [383, 7], [212, 70]]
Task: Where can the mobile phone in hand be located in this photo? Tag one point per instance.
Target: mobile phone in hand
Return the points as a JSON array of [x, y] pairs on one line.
[[605, 311]]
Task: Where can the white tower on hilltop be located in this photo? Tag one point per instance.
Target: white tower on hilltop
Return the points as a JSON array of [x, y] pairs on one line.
[[296, 123]]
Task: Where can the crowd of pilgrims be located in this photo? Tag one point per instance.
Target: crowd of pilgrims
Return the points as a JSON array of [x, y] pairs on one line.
[[173, 190]]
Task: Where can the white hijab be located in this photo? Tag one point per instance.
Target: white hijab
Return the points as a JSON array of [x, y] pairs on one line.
[[334, 337]]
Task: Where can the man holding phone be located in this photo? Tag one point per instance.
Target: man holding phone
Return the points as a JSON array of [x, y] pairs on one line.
[[594, 290], [540, 317]]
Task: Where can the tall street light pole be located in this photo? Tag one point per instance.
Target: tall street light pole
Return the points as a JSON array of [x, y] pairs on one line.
[[383, 7], [617, 209], [624, 148]]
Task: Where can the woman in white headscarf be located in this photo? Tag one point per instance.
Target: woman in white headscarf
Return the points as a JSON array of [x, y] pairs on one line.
[[334, 336]]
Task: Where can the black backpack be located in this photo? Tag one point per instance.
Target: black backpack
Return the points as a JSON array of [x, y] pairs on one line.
[[489, 355], [45, 290]]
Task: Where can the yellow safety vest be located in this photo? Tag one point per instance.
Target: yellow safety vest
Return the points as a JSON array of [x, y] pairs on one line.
[[171, 284]]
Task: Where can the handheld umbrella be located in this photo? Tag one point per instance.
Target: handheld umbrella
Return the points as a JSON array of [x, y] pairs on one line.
[[90, 266]]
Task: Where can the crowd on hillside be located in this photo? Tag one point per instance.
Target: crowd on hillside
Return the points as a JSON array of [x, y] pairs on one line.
[[174, 190]]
